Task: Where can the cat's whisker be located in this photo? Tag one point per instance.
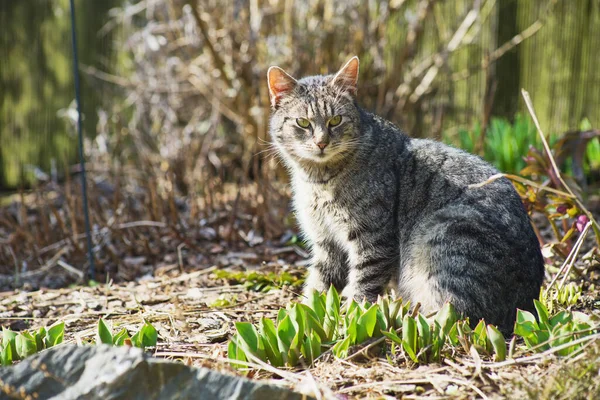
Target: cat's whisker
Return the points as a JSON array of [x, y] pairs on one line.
[[268, 151], [263, 141]]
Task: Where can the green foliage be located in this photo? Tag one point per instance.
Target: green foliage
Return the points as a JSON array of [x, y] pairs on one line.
[[299, 333], [566, 296], [146, 336], [260, 281], [103, 334], [505, 143], [224, 300], [546, 332], [302, 332], [15, 346], [486, 339]]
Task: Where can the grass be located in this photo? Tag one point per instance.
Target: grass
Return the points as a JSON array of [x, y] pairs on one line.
[[302, 333], [506, 143], [187, 325]]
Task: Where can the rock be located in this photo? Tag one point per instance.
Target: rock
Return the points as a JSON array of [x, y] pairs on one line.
[[104, 372]]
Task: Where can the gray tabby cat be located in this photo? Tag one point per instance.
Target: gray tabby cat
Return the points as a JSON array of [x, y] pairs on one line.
[[378, 207]]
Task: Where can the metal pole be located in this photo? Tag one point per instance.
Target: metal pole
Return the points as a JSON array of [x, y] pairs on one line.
[[86, 214]]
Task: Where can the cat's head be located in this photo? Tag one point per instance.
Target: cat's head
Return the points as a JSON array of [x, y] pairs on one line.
[[315, 120]]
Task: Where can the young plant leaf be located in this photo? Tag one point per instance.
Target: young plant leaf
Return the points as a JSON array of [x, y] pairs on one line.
[[149, 335], [497, 341], [297, 318], [55, 335], [307, 350], [268, 335], [285, 334], [446, 317], [424, 332], [39, 338], [392, 336], [103, 334], [340, 349], [409, 337], [8, 339], [542, 313], [561, 318], [366, 324], [250, 340], [332, 304], [480, 336], [313, 323], [317, 303], [25, 344], [525, 324], [6, 355], [235, 353], [119, 338]]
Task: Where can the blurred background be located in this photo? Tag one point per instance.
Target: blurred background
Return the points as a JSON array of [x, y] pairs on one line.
[[175, 108]]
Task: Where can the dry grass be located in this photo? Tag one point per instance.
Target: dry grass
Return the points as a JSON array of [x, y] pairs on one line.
[[191, 330]]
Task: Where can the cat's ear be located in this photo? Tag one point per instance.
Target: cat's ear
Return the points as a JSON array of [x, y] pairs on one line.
[[280, 84], [347, 76]]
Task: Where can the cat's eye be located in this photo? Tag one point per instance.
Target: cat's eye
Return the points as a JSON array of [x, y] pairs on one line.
[[303, 122], [335, 121]]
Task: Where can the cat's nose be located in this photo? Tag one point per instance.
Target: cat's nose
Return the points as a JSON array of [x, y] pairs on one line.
[[322, 145]]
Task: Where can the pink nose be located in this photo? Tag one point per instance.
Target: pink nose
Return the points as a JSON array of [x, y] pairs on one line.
[[322, 145]]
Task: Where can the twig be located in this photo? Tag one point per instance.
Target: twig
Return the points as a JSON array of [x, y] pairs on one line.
[[180, 257], [521, 180], [103, 231], [71, 269], [218, 61], [453, 44], [535, 357], [590, 216], [14, 257], [415, 382], [48, 265], [506, 47], [575, 252], [561, 336]]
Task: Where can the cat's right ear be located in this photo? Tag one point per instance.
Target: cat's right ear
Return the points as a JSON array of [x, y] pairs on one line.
[[280, 84], [347, 77]]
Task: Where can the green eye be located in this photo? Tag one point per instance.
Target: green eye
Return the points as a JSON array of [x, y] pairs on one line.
[[303, 122], [335, 121]]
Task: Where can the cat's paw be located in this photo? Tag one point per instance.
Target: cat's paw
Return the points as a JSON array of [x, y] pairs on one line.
[[361, 295], [349, 292]]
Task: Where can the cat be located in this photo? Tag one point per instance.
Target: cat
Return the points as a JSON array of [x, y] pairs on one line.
[[378, 208]]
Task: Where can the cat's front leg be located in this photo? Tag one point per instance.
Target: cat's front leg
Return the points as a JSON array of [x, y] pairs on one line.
[[371, 270], [328, 267]]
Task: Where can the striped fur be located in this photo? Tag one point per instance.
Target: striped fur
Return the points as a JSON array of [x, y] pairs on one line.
[[377, 207]]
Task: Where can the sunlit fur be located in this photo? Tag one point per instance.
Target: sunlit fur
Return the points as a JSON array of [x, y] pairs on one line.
[[377, 207]]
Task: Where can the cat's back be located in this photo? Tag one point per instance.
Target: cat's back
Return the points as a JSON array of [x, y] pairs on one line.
[[469, 232], [458, 165]]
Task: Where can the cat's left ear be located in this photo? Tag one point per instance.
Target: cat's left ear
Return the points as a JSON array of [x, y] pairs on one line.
[[347, 76], [280, 84]]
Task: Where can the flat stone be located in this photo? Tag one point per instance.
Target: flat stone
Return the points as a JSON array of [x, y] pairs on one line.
[[105, 372]]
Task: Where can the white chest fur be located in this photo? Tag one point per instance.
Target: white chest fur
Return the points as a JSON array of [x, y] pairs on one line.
[[319, 213]]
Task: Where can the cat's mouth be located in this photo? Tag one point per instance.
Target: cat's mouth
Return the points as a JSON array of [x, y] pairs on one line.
[[321, 156]]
